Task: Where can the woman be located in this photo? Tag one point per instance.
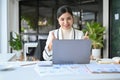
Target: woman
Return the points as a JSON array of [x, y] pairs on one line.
[[66, 30]]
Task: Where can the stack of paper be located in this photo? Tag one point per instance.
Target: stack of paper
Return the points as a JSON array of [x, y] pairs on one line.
[[53, 70], [103, 68], [105, 61], [63, 69]]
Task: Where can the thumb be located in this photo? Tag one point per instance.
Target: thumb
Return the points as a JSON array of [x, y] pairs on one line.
[[53, 35], [86, 34]]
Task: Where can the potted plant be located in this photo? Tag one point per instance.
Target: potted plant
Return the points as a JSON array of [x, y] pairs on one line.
[[16, 44], [95, 32]]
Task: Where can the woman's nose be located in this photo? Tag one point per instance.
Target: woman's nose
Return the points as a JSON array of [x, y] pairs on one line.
[[66, 21]]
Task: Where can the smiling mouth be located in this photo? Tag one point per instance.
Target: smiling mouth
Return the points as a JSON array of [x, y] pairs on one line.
[[66, 25]]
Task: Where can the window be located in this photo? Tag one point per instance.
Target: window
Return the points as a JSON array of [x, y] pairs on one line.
[[38, 17]]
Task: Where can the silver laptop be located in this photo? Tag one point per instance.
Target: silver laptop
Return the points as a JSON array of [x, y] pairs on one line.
[[71, 51]]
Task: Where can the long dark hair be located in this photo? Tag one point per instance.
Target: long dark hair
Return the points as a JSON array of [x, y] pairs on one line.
[[63, 9]]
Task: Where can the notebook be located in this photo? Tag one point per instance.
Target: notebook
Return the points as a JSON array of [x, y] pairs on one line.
[[71, 51]]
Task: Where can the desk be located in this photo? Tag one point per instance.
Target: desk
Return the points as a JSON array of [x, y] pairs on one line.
[[29, 73], [26, 46], [7, 57]]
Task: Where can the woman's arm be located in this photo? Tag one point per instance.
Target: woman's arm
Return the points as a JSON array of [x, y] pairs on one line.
[[47, 53]]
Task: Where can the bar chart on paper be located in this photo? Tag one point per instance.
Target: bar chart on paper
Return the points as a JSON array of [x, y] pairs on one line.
[[103, 68], [60, 69]]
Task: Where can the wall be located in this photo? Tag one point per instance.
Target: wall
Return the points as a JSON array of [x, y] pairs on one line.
[[8, 22], [13, 20], [13, 16], [114, 28], [0, 25], [106, 24], [4, 24]]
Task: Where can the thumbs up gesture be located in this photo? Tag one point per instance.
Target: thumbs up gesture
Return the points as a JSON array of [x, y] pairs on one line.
[[86, 36], [50, 43]]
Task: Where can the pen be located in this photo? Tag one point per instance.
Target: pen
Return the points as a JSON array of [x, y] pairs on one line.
[[28, 64]]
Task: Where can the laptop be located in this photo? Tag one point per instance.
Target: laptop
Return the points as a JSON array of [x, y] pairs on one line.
[[71, 51]]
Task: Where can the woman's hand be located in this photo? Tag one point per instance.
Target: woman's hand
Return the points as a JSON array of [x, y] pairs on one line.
[[51, 41], [86, 36]]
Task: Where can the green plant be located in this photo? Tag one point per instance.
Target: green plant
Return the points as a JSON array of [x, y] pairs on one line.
[[95, 33], [15, 42]]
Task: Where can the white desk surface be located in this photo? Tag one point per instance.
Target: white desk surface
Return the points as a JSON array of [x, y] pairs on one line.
[[6, 56], [29, 73]]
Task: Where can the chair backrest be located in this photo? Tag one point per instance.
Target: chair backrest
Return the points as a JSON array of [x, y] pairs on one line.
[[39, 49]]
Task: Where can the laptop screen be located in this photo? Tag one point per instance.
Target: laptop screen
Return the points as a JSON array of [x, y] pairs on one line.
[[71, 51]]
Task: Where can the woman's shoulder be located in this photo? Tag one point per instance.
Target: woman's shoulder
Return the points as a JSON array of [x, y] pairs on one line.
[[79, 32], [76, 30], [55, 30]]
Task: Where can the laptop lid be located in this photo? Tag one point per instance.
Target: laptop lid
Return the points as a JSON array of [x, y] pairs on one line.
[[71, 51]]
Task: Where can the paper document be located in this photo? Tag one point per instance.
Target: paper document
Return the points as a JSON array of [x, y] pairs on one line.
[[60, 69], [103, 68]]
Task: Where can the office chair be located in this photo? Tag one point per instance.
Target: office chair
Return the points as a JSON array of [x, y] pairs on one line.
[[38, 54]]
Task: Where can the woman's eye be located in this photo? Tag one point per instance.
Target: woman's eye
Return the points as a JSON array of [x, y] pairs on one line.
[[62, 19], [69, 18]]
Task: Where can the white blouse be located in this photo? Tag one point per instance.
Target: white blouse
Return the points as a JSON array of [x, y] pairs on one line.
[[61, 34]]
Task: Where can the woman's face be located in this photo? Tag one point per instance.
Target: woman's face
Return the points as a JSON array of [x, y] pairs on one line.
[[65, 21]]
